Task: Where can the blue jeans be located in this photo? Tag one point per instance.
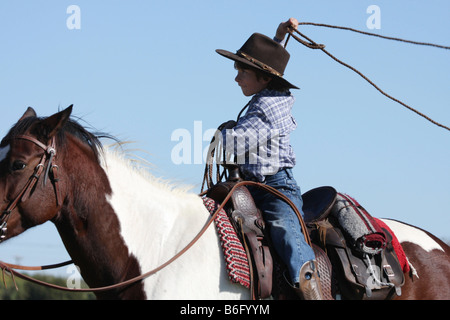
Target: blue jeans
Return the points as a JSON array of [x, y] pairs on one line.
[[283, 224]]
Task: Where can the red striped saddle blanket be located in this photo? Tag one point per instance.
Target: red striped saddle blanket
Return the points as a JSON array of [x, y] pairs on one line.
[[235, 256]]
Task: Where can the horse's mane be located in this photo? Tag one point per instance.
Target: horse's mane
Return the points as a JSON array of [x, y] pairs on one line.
[[91, 139], [136, 165]]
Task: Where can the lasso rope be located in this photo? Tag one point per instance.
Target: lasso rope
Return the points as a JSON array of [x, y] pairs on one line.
[[374, 34], [313, 45]]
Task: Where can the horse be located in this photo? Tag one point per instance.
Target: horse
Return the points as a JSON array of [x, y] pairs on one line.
[[117, 221]]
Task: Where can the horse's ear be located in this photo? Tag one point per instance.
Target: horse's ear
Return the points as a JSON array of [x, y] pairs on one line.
[[29, 113], [52, 124]]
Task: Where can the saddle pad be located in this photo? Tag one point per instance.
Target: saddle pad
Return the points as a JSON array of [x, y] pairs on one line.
[[235, 256], [397, 247]]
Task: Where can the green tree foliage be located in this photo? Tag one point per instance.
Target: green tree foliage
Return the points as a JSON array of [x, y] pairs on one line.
[[31, 291]]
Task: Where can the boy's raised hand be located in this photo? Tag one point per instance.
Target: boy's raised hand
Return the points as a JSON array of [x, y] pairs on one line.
[[283, 28]]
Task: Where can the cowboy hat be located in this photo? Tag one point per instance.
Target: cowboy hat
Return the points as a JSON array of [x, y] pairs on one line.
[[262, 53]]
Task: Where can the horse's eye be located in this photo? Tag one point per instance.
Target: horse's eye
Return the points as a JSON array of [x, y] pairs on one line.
[[18, 165]]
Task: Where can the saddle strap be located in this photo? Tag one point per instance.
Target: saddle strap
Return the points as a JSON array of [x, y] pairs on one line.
[[264, 265]]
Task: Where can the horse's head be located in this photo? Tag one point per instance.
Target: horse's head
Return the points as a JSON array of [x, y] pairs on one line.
[[28, 172]]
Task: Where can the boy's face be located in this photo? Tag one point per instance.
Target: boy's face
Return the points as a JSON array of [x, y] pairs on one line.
[[249, 82]]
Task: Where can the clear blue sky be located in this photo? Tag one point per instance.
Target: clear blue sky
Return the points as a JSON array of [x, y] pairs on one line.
[[142, 69]]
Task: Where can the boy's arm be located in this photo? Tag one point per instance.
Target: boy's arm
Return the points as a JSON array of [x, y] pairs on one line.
[[283, 28]]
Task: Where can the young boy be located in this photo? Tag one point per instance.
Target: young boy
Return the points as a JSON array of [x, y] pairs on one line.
[[260, 143]]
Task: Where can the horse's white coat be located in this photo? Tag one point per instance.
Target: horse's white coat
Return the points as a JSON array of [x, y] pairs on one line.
[[4, 152], [158, 221], [406, 233]]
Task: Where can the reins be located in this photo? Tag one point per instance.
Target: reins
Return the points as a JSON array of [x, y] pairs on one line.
[[313, 45], [10, 267]]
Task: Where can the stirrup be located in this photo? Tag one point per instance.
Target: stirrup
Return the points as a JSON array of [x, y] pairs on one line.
[[309, 285]]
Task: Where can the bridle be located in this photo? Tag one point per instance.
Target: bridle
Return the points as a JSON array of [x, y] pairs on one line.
[[25, 193]]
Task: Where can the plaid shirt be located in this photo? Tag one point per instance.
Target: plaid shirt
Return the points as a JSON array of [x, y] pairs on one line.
[[260, 140]]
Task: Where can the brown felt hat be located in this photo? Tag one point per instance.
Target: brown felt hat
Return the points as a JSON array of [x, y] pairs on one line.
[[262, 53]]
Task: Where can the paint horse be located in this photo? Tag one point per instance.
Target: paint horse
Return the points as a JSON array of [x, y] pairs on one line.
[[117, 221]]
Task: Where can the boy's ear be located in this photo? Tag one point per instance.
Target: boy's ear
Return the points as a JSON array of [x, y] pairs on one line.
[[266, 79]]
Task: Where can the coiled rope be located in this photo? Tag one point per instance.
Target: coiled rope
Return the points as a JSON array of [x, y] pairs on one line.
[[313, 45]]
